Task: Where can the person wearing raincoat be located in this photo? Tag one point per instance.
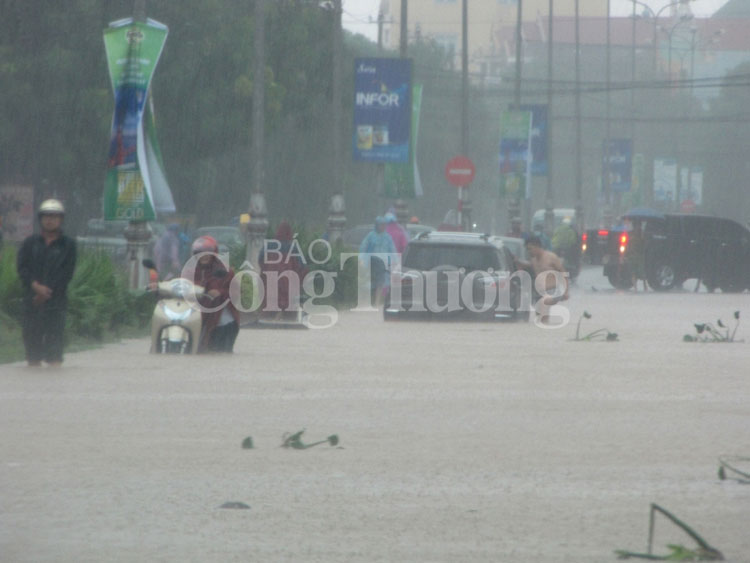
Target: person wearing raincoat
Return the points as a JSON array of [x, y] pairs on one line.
[[397, 232], [378, 241], [282, 289], [220, 327]]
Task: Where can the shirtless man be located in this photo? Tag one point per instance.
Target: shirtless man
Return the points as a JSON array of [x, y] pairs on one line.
[[542, 261]]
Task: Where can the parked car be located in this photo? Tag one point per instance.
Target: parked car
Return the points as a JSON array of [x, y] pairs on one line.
[[446, 274], [680, 247], [594, 244]]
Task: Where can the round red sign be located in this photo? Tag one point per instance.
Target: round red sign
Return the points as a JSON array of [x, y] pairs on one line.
[[687, 206], [460, 171]]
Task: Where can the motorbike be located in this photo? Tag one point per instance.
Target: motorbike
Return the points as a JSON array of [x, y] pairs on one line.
[[176, 321]]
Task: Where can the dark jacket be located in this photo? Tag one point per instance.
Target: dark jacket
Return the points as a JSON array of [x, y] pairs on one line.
[[51, 265]]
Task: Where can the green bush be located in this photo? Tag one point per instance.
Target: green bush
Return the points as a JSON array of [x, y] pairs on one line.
[[11, 291]]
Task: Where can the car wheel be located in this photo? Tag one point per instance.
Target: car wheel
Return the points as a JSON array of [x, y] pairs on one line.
[[663, 277], [620, 280]]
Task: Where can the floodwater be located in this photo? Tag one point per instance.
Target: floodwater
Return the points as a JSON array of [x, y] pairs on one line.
[[457, 442]]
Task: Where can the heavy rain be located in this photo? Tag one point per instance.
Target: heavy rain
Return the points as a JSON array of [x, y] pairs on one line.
[[374, 280]]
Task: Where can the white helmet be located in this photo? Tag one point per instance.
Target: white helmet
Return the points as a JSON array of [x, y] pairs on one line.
[[51, 207]]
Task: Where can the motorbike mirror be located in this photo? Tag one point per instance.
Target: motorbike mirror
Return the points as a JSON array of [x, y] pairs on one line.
[[148, 263]]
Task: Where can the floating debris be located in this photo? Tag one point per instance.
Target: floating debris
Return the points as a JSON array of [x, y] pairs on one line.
[[294, 441], [247, 443], [235, 505], [703, 552]]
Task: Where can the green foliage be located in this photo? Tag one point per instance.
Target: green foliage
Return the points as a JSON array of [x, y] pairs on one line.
[[11, 292], [707, 332], [598, 334]]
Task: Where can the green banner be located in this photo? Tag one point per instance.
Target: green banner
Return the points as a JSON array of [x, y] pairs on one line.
[[133, 50], [402, 180]]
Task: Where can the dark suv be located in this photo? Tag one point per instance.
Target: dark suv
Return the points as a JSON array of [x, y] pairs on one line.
[[446, 274], [679, 247]]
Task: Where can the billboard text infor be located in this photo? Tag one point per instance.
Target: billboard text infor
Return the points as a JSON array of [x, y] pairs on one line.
[[135, 187], [382, 109]]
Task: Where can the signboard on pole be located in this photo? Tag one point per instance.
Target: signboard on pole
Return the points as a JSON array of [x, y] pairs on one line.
[[665, 180], [620, 165], [402, 180], [382, 109], [135, 185], [515, 154], [17, 212], [460, 171], [539, 161]]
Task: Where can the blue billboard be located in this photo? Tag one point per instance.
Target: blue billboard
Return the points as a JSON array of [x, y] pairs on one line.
[[617, 162], [538, 137], [382, 109]]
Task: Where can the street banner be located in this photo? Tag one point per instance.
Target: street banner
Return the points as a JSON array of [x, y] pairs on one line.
[[402, 180], [620, 165], [538, 138], [135, 185], [17, 212], [515, 154], [638, 180], [691, 185], [382, 109], [665, 179]]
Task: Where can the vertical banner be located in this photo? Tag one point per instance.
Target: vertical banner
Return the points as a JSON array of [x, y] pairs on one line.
[[382, 109], [620, 164], [515, 154], [691, 185], [134, 168], [638, 180], [402, 180], [17, 212], [539, 141], [665, 180]]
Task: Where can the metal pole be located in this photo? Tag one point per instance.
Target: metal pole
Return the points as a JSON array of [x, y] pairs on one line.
[[549, 213], [336, 97], [519, 55], [139, 10], [258, 212], [404, 26], [579, 199], [402, 209], [463, 193], [514, 202], [608, 111]]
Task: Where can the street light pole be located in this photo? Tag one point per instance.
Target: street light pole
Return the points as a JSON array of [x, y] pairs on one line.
[[256, 228], [549, 213]]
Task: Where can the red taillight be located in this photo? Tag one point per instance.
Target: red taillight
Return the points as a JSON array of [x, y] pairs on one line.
[[623, 242], [585, 237], [603, 233]]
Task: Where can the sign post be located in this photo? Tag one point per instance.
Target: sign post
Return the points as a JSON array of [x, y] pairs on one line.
[[460, 171]]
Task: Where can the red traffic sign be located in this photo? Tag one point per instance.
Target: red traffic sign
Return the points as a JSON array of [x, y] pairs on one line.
[[688, 206], [460, 171]]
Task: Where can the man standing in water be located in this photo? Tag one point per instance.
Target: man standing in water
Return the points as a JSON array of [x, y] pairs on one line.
[[545, 263], [45, 265]]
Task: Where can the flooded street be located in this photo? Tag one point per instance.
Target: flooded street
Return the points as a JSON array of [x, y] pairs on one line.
[[458, 441]]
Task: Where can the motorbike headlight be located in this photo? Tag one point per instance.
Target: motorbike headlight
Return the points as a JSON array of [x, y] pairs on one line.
[[177, 316]]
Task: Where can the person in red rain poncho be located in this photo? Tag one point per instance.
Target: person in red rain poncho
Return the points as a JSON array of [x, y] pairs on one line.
[[220, 327], [281, 294]]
